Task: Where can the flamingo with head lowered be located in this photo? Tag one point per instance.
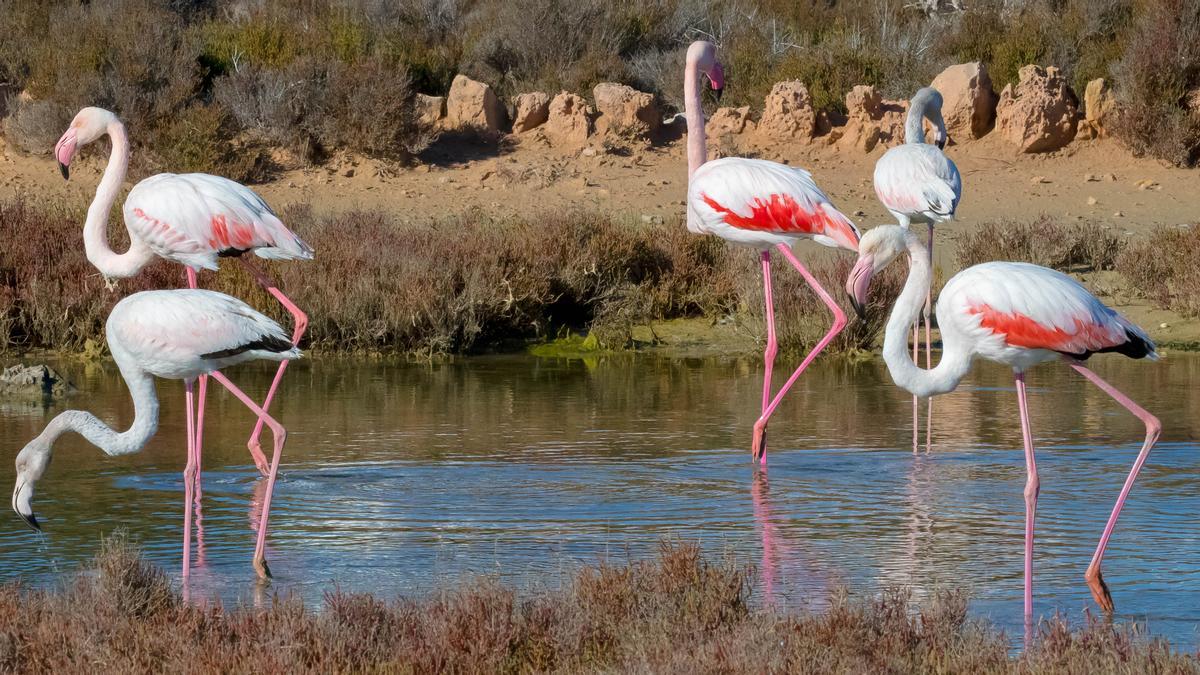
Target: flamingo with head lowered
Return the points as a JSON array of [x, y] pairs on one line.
[[1016, 314], [918, 183], [193, 219], [765, 205], [178, 335]]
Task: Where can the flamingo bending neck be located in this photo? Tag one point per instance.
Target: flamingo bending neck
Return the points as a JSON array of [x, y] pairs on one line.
[[926, 104], [99, 434], [95, 229], [956, 358]]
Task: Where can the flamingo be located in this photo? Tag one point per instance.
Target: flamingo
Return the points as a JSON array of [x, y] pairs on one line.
[[1016, 314], [177, 335], [918, 183], [761, 204], [192, 219]]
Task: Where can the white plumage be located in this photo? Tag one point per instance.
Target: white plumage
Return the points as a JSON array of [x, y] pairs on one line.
[[181, 334], [918, 183], [192, 218], [1020, 314], [762, 204]]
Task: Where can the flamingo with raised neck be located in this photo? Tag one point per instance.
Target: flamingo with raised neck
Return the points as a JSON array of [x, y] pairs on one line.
[[193, 219], [763, 205]]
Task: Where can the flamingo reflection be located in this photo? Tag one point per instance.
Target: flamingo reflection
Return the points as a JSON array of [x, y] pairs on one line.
[[782, 558]]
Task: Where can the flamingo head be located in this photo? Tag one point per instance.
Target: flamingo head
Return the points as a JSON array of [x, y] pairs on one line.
[[930, 102], [31, 465], [89, 124], [703, 55], [876, 250]]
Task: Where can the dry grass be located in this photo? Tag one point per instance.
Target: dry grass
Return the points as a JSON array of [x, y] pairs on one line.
[[1162, 267], [676, 613], [1076, 247], [468, 283]]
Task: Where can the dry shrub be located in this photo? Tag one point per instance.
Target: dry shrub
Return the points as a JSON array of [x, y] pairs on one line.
[[1155, 79], [1162, 267], [1075, 247], [801, 317], [675, 613], [53, 296], [457, 284], [294, 73], [314, 107], [125, 55]]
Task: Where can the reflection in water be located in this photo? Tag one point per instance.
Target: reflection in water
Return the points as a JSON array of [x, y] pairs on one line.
[[802, 580], [399, 478]]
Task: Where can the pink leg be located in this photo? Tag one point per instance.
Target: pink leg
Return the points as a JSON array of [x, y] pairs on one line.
[[189, 480], [929, 349], [1032, 487], [839, 322], [760, 434], [1095, 579], [280, 436], [193, 282], [301, 325]]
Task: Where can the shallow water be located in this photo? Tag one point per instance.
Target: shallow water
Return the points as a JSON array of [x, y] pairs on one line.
[[398, 478]]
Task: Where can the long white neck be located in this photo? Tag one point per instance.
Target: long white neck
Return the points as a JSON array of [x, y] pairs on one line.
[[95, 229], [956, 356], [914, 124], [99, 434], [693, 112]]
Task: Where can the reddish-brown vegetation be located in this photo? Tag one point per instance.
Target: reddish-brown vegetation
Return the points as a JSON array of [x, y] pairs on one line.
[[466, 283], [676, 613]]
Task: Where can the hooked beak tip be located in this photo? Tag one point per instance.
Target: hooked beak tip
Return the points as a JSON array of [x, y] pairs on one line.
[[66, 173], [859, 310], [31, 521], [717, 93]]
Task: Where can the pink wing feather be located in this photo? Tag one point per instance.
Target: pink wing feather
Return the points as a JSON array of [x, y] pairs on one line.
[[192, 218], [738, 198], [1033, 307]]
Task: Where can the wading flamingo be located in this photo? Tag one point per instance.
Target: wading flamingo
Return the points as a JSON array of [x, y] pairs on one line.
[[918, 183], [762, 204], [1016, 314], [177, 335], [192, 219]]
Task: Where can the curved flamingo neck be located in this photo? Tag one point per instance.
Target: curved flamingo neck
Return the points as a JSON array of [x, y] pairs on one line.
[[956, 357], [95, 228], [99, 434], [914, 124]]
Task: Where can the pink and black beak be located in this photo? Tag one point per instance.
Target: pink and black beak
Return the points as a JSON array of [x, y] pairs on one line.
[[716, 80], [23, 508], [64, 152], [858, 284]]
